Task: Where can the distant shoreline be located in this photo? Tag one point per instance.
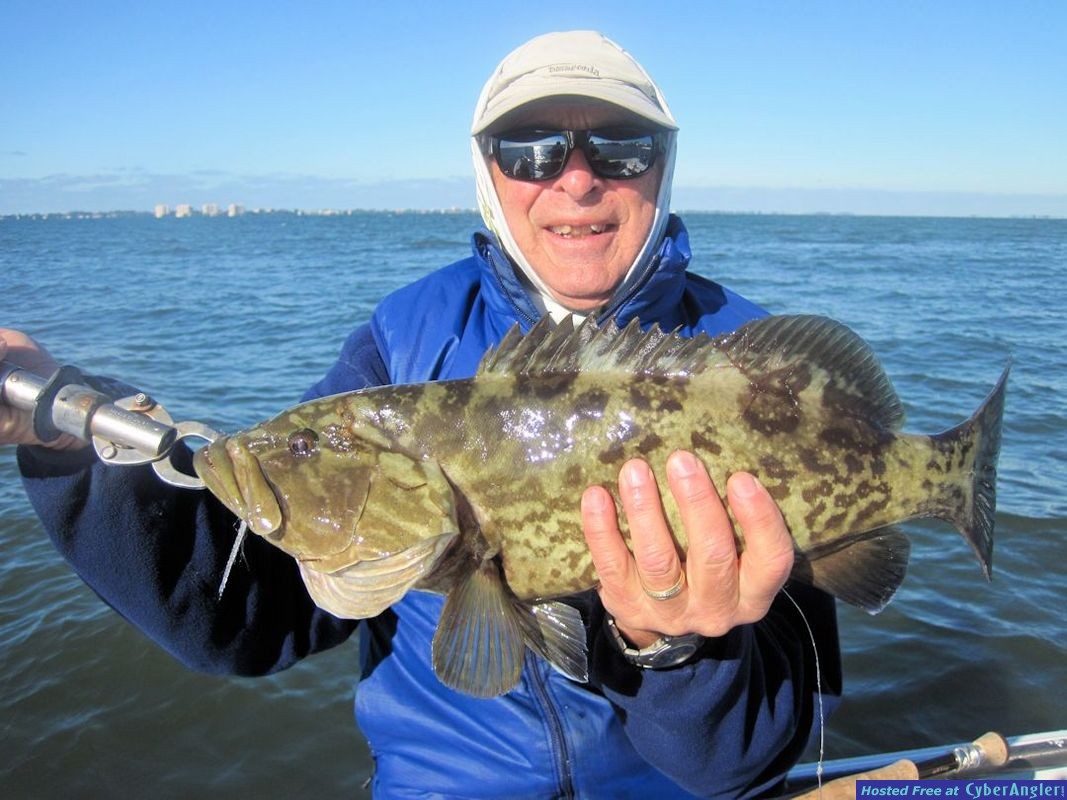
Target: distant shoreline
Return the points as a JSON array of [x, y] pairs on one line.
[[330, 212]]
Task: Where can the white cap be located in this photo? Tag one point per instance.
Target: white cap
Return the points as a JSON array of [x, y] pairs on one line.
[[583, 64]]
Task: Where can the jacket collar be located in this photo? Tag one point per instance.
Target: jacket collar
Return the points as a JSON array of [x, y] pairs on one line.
[[652, 294]]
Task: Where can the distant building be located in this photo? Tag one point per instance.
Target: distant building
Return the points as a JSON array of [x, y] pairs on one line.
[[210, 209], [183, 210], [235, 210], [162, 210]]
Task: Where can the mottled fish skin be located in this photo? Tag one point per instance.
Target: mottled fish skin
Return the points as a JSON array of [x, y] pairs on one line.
[[500, 461], [528, 448]]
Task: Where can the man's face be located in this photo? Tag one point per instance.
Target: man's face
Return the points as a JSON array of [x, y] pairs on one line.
[[552, 221]]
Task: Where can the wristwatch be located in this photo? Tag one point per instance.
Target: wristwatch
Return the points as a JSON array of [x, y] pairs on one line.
[[667, 651]]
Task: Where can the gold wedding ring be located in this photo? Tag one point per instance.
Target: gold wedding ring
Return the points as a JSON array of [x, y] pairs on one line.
[[667, 594]]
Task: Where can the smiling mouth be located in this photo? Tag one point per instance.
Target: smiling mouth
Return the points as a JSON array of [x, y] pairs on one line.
[[574, 231]]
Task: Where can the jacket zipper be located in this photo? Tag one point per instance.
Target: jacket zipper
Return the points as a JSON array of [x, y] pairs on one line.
[[520, 313], [555, 729], [623, 301]]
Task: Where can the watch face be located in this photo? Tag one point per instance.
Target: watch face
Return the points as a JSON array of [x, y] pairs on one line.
[[673, 653], [666, 652]]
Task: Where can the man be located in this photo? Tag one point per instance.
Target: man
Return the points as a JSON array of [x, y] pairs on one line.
[[702, 675]]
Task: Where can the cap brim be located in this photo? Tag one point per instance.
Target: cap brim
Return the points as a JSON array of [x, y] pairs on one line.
[[530, 91]]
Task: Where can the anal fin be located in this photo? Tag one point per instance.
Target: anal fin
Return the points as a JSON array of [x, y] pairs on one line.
[[865, 572]]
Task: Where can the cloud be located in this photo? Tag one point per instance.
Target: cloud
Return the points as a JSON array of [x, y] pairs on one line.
[[130, 190], [14, 153]]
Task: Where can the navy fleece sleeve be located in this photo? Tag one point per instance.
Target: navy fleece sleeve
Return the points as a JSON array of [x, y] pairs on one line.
[[360, 365], [732, 722], [156, 554]]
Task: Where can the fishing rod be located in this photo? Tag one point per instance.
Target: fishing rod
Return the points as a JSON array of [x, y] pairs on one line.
[[128, 431], [990, 755], [985, 754]]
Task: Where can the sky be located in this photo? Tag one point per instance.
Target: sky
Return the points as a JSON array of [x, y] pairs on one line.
[[854, 106]]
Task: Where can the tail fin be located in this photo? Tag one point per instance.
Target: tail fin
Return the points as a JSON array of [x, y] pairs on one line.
[[973, 515]]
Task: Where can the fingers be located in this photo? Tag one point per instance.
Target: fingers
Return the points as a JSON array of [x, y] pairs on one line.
[[711, 558], [659, 567], [768, 556], [625, 577], [20, 349], [16, 425], [611, 557], [710, 588]]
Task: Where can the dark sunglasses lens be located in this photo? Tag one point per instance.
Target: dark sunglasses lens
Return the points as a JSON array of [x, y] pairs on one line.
[[621, 153], [531, 156]]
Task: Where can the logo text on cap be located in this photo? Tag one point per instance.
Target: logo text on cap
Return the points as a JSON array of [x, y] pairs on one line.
[[575, 68]]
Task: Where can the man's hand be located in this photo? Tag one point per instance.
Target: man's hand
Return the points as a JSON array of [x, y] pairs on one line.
[[719, 588], [16, 426]]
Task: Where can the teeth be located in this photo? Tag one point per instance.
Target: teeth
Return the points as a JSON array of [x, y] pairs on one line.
[[577, 230]]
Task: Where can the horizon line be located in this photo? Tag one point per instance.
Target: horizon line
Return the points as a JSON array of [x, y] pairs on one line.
[[340, 212]]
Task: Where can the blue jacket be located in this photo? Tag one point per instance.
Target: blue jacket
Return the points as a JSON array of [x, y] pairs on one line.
[[727, 724]]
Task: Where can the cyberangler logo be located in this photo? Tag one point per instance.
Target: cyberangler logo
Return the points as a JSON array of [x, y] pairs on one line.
[[977, 789]]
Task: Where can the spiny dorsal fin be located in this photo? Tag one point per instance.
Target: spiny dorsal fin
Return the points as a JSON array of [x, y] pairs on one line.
[[553, 349], [778, 352], [837, 360], [866, 572]]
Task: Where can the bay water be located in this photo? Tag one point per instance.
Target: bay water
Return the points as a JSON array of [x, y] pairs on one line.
[[228, 320]]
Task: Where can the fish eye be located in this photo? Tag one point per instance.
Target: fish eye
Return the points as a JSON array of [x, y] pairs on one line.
[[303, 443]]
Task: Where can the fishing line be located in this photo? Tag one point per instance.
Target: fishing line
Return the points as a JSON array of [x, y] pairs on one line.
[[818, 692], [241, 531]]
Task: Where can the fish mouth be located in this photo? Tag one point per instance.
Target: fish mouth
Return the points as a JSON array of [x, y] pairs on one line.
[[233, 474]]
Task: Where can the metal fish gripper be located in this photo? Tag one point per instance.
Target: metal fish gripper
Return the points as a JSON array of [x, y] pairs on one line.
[[128, 431]]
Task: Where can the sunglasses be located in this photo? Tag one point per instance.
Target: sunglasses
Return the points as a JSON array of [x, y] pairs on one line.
[[539, 155]]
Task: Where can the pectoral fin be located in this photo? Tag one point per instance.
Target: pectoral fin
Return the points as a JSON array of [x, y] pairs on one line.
[[484, 630]]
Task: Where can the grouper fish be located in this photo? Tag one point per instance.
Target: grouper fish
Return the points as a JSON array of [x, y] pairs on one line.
[[471, 488]]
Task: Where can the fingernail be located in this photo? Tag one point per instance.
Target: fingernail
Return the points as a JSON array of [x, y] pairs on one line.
[[636, 473], [684, 464], [595, 500], [744, 484]]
